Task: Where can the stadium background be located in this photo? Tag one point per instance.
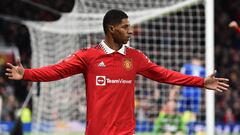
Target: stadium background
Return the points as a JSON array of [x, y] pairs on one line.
[[227, 52]]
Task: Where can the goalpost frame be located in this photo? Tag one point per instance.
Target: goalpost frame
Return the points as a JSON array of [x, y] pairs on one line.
[[209, 42]]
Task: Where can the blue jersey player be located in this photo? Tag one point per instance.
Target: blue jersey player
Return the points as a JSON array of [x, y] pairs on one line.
[[190, 97]]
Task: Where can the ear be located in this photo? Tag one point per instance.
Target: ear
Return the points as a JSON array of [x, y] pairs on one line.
[[111, 28]]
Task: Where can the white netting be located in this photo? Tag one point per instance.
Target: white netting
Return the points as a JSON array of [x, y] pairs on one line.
[[170, 32]]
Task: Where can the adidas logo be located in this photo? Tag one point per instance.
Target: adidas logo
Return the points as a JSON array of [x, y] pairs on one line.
[[101, 64]]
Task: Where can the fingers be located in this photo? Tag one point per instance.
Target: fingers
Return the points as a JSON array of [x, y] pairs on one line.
[[18, 61], [221, 88], [218, 90], [10, 65], [18, 64], [8, 74], [8, 69], [224, 84], [14, 72], [223, 79], [11, 78], [217, 84]]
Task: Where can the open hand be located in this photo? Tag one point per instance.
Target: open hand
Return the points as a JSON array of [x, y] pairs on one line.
[[217, 84], [15, 72]]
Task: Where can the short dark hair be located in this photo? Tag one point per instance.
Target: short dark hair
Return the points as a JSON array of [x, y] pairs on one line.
[[113, 16]]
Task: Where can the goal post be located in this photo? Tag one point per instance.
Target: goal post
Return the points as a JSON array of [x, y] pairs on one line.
[[169, 32], [210, 107]]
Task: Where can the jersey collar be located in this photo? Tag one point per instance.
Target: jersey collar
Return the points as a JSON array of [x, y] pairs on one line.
[[108, 50]]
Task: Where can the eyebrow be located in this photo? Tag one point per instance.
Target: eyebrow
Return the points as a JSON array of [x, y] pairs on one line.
[[128, 25]]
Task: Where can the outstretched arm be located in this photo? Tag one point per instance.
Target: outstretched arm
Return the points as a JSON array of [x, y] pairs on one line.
[[73, 64], [15, 72], [161, 74]]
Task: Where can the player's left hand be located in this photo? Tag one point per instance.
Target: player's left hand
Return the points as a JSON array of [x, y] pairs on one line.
[[218, 84]]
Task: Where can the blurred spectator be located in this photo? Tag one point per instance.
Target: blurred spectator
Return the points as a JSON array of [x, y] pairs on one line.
[[227, 58], [13, 34], [10, 106], [169, 122], [229, 117]]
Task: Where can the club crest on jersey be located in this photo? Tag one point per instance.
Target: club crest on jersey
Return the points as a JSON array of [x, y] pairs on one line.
[[127, 64]]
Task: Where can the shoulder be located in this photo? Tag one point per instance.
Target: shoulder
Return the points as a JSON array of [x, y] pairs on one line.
[[89, 53], [134, 51], [138, 54], [89, 50]]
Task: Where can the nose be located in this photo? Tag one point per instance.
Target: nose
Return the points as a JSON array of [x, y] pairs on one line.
[[130, 31]]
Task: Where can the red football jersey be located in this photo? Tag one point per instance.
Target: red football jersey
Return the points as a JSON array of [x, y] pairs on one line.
[[109, 77]]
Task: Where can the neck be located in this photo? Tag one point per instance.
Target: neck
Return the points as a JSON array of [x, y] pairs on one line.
[[111, 44]]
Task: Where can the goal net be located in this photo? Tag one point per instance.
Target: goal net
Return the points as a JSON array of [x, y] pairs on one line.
[[170, 32]]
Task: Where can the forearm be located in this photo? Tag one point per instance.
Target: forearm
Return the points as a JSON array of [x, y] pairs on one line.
[[163, 75], [41, 75], [52, 72], [183, 80]]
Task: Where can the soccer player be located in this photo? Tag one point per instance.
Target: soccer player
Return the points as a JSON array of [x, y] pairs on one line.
[[169, 121], [190, 97], [109, 70]]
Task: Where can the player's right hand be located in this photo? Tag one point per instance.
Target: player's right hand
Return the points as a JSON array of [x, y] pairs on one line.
[[15, 72]]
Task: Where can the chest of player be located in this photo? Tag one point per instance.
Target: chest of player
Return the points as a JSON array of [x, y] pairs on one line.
[[113, 65]]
